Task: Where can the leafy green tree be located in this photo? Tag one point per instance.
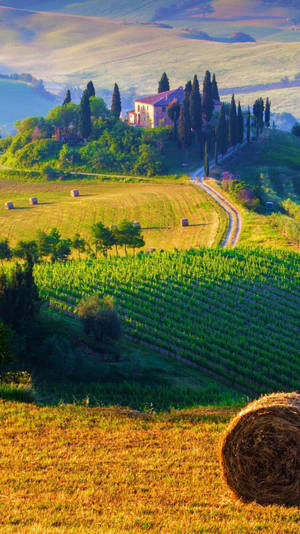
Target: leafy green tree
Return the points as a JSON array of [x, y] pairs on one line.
[[116, 105], [207, 97], [100, 318], [240, 125], [196, 110], [221, 132], [149, 161], [25, 250], [232, 133], [64, 116], [85, 124], [173, 114], [98, 107], [79, 244], [164, 84], [268, 113], [90, 89], [52, 245], [184, 125], [206, 160], [68, 98], [5, 251], [128, 235], [102, 237], [214, 89]]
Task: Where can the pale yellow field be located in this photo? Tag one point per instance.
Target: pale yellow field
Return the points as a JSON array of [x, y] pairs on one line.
[[157, 207]]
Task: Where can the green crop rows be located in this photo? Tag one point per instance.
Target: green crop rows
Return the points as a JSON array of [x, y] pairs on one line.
[[235, 313]]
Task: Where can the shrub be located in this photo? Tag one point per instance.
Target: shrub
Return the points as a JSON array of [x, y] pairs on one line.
[[100, 318]]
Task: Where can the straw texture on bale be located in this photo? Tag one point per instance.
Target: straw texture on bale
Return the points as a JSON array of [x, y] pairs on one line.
[[184, 222], [75, 193], [260, 451], [33, 201], [9, 205]]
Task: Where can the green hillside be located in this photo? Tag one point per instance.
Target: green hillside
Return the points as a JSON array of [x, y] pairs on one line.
[[17, 101]]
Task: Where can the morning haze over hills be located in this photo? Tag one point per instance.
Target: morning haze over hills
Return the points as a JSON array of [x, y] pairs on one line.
[[182, 36]]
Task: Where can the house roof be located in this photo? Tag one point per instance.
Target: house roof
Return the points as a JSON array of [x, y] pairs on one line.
[[163, 99]]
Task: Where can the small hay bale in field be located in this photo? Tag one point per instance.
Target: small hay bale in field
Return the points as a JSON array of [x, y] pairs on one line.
[[74, 193], [33, 201], [137, 224], [184, 222], [9, 205], [260, 451]]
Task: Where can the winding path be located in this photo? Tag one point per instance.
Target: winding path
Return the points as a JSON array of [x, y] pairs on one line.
[[235, 218]]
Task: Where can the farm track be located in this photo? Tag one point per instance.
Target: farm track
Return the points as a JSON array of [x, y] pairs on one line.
[[235, 219]]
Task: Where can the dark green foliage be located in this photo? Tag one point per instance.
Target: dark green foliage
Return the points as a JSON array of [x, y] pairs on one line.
[[128, 235], [5, 336], [173, 114], [5, 251], [206, 160], [258, 112], [188, 88], [196, 109], [85, 124], [240, 125], [68, 98], [207, 97], [296, 129], [268, 113], [103, 238], [184, 124], [215, 89], [221, 132], [233, 125], [79, 244], [116, 106], [90, 89], [164, 84], [216, 153], [52, 245], [100, 318], [25, 250], [248, 126], [19, 298]]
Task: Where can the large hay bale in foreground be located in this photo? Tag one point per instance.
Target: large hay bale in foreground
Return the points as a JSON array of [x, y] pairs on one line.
[[33, 201], [260, 452]]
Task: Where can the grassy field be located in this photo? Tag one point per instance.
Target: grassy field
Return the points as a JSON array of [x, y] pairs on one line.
[[235, 314], [112, 471], [158, 207]]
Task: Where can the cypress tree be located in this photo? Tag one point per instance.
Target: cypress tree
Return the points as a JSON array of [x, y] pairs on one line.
[[216, 153], [258, 112], [221, 132], [91, 89], [164, 84], [206, 161], [67, 99], [207, 98], [248, 126], [116, 106], [188, 88], [232, 133], [173, 114], [268, 113], [196, 110], [184, 124], [215, 89], [85, 124], [240, 125]]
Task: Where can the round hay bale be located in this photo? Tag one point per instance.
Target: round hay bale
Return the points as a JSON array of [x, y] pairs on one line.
[[9, 205], [33, 201], [184, 222], [74, 193], [260, 451], [137, 224]]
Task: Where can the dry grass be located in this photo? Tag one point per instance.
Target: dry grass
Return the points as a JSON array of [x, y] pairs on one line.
[[158, 207], [76, 470]]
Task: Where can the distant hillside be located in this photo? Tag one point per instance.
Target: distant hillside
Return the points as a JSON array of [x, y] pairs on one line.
[[17, 101]]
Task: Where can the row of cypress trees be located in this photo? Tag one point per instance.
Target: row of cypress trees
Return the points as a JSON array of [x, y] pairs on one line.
[[85, 123]]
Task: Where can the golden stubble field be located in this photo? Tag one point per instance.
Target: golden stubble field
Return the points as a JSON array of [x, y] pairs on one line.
[[72, 470], [158, 207]]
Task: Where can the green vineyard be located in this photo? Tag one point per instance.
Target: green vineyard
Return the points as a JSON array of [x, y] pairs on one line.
[[235, 313]]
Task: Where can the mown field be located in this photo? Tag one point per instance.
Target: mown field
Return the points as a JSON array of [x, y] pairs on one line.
[[233, 313], [158, 207], [82, 470]]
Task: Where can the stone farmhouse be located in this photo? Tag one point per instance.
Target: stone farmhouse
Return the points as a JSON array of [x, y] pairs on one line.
[[152, 111]]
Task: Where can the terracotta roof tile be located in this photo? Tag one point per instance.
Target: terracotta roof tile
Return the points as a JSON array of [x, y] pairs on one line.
[[163, 99]]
